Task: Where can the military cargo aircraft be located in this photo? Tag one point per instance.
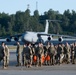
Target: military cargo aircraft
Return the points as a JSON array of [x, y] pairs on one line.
[[36, 37]]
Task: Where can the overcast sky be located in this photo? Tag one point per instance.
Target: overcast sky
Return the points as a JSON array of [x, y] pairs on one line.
[[12, 6]]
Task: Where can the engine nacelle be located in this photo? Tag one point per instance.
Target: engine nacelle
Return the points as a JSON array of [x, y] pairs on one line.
[[50, 38], [16, 38], [8, 39], [60, 39]]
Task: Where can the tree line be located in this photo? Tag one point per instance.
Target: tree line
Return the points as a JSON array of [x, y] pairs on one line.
[[22, 21]]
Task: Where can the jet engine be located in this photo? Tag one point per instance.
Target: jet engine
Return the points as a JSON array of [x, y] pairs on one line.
[[50, 38], [60, 39], [8, 39], [16, 38]]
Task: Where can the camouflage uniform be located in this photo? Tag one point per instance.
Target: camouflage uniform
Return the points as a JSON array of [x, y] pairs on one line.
[[72, 53], [46, 53], [2, 54], [67, 50], [52, 54], [32, 52], [26, 56], [40, 50], [23, 55], [65, 54], [59, 52], [75, 52], [6, 57], [18, 54]]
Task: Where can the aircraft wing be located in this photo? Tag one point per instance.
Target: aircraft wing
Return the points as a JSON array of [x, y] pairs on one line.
[[40, 34], [57, 35], [8, 38], [66, 36], [4, 37]]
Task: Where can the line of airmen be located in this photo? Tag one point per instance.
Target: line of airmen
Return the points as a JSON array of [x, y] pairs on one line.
[[48, 54], [40, 55]]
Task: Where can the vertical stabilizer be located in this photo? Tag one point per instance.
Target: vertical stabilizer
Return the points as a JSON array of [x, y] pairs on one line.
[[46, 27]]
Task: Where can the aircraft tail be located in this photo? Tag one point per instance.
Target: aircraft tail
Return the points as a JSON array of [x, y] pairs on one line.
[[46, 27]]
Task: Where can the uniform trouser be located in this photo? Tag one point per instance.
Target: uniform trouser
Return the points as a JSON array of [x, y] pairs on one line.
[[61, 58], [68, 57], [75, 58], [1, 57], [39, 59], [65, 56], [58, 58], [26, 60], [47, 62], [23, 60], [19, 59], [72, 58], [5, 61], [31, 59], [52, 61]]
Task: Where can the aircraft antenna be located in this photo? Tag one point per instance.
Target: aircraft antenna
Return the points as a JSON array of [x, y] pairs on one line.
[[36, 5], [28, 6]]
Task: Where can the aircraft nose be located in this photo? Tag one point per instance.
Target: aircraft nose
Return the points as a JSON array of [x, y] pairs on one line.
[[25, 37]]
